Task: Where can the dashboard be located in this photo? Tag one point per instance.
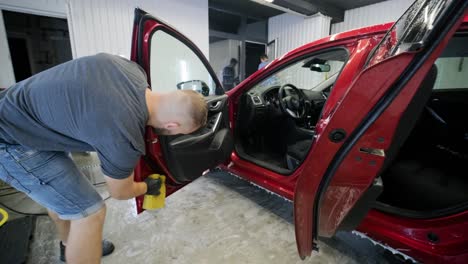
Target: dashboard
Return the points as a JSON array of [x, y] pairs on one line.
[[262, 105], [269, 96]]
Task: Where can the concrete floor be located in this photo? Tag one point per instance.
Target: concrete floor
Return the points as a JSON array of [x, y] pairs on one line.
[[217, 219]]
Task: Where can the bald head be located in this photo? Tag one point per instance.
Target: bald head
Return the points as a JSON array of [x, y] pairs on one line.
[[177, 112]]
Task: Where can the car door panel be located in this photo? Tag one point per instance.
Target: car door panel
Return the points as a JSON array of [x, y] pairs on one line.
[[345, 171], [364, 159], [324, 150], [188, 156]]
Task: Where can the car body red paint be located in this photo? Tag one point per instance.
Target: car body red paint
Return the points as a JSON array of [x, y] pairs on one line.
[[358, 90]]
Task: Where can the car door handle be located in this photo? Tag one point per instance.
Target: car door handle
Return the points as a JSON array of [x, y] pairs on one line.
[[214, 106], [216, 103]]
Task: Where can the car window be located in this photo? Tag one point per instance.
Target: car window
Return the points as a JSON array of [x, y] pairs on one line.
[[452, 65], [412, 30], [311, 72], [174, 66]]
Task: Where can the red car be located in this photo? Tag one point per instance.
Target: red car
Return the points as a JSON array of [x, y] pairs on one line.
[[364, 130]]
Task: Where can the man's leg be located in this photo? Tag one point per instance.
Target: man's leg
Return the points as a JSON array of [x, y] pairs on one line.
[[85, 239], [63, 226], [54, 181]]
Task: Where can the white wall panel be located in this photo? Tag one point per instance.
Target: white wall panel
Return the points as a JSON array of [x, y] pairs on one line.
[[172, 62], [7, 76], [379, 13], [55, 8], [106, 25], [221, 53], [291, 31], [451, 73]]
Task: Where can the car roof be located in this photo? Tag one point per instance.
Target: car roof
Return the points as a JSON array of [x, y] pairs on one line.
[[350, 34], [355, 33]]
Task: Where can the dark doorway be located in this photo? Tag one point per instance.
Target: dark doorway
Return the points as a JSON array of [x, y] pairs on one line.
[[36, 43], [20, 58], [253, 51]]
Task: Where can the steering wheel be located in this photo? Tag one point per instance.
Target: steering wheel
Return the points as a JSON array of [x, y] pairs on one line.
[[292, 105]]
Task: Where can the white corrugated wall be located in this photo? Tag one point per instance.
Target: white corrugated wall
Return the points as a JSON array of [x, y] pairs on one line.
[[55, 8], [292, 31], [106, 25], [7, 76], [221, 53], [379, 13]]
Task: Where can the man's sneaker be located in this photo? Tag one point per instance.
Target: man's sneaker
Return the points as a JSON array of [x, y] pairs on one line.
[[107, 248]]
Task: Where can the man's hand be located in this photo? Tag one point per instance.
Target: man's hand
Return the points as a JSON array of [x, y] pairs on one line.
[[154, 186], [124, 189]]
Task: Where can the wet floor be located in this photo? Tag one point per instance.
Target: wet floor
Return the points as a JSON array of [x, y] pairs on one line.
[[217, 219]]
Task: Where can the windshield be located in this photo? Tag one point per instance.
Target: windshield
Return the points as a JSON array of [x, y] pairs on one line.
[[312, 73]]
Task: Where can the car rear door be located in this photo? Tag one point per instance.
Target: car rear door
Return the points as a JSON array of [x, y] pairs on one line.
[[173, 62], [361, 133]]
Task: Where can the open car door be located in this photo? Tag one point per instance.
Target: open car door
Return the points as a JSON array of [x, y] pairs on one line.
[[172, 62], [360, 134]]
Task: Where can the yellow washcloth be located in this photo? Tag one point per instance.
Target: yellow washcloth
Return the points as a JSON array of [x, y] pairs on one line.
[[152, 202], [4, 215]]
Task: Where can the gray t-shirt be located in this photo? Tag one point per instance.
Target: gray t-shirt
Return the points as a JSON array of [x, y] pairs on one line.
[[91, 103]]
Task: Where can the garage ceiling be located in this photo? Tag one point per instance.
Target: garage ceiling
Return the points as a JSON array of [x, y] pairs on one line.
[[226, 15], [346, 4], [261, 10], [247, 7]]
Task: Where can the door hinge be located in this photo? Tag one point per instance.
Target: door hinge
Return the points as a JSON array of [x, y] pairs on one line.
[[373, 151]]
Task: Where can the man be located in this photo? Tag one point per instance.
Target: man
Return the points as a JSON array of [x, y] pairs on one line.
[[229, 73], [263, 61], [98, 103]]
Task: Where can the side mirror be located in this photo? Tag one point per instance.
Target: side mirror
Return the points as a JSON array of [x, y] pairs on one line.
[[320, 67], [195, 85]]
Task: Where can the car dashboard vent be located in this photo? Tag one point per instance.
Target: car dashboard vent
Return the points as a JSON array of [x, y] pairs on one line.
[[256, 100]]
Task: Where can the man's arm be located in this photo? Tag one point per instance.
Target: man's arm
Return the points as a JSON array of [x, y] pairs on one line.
[[124, 189]]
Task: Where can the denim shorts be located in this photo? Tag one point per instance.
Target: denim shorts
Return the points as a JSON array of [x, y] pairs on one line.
[[51, 179]]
